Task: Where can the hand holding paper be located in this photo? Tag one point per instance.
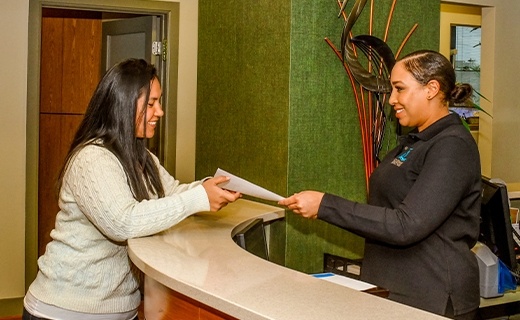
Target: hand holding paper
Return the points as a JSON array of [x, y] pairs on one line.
[[245, 187], [218, 197]]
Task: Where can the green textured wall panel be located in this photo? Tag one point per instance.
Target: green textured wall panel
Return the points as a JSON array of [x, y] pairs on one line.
[[275, 105], [243, 99], [324, 140]]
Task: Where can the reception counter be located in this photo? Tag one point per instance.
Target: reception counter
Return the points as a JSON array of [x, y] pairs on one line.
[[196, 271]]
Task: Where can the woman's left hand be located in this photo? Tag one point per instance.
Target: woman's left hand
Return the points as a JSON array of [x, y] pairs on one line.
[[305, 203]]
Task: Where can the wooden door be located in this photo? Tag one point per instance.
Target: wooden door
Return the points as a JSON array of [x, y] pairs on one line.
[[135, 38], [69, 73]]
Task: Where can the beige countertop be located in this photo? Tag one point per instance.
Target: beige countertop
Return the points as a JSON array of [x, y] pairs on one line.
[[199, 259]]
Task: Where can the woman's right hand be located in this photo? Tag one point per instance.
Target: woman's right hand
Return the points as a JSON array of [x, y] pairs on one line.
[[218, 197], [305, 203]]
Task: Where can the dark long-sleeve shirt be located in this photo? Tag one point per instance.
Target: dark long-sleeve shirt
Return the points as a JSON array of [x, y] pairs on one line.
[[421, 220]]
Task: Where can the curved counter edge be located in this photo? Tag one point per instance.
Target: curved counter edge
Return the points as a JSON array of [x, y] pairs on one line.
[[198, 259]]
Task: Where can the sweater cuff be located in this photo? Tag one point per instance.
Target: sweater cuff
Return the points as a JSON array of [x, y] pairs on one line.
[[196, 200]]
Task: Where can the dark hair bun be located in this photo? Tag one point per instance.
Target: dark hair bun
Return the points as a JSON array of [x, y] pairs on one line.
[[461, 93]]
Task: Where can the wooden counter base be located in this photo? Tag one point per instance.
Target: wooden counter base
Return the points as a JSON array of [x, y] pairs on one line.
[[163, 303]]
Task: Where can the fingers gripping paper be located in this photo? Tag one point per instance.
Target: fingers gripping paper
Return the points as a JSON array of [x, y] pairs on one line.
[[245, 187]]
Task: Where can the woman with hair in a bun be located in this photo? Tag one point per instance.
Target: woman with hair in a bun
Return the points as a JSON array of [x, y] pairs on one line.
[[422, 216]]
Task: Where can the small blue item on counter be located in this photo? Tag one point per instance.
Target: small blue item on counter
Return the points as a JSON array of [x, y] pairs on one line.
[[506, 280], [323, 275]]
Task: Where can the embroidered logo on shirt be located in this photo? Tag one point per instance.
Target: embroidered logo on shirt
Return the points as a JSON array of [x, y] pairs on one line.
[[400, 159]]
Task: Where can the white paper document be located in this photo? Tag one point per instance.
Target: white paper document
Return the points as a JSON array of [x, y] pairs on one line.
[[245, 187], [345, 281]]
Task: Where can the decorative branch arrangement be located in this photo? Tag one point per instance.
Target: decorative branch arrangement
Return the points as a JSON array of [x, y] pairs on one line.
[[370, 85]]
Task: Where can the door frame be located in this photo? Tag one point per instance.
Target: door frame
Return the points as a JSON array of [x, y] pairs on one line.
[[170, 12]]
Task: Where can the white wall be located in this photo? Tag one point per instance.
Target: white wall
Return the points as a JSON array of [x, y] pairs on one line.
[[187, 90], [13, 90]]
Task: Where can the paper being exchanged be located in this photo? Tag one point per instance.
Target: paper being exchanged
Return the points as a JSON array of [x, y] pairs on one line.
[[245, 187]]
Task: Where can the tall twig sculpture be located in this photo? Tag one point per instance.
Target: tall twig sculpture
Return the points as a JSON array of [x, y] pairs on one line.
[[370, 84]]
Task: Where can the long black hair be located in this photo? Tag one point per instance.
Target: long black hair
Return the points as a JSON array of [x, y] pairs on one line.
[[111, 119]]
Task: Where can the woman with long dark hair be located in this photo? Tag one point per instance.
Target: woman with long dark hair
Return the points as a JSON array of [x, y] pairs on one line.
[[111, 189]]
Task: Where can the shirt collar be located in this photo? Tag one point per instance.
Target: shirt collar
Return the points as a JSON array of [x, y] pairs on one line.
[[436, 127]]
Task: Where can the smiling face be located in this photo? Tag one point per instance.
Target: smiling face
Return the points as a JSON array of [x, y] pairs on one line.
[[146, 121], [415, 104]]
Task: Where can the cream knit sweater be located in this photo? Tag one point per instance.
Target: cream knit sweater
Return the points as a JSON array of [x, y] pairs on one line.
[[85, 267]]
